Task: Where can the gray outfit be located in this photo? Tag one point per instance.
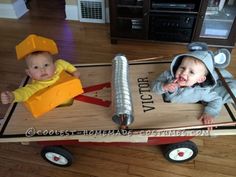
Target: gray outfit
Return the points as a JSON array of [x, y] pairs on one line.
[[220, 89], [210, 93]]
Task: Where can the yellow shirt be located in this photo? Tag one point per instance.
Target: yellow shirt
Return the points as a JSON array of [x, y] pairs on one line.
[[24, 93]]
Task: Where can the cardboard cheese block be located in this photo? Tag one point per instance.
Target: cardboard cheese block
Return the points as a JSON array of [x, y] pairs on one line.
[[35, 43], [48, 98]]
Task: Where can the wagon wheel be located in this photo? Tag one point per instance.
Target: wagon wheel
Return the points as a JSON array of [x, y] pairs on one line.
[[57, 155], [181, 152]]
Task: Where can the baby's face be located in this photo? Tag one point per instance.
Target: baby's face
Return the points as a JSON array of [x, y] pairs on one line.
[[40, 67], [190, 72]]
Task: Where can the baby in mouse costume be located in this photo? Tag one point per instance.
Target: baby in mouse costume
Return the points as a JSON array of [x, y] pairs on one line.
[[192, 78]]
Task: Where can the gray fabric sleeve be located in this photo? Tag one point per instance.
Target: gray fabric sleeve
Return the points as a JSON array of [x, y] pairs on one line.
[[157, 84], [213, 103]]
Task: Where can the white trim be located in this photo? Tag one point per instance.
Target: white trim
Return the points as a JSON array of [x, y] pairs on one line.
[[72, 12], [107, 15], [14, 10]]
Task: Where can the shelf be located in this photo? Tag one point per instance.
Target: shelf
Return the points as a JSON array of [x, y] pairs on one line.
[[219, 20], [130, 19], [129, 6], [213, 37], [130, 2], [174, 12], [130, 12], [175, 5]]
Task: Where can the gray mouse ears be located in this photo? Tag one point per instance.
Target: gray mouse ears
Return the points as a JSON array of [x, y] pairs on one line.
[[197, 46], [221, 57]]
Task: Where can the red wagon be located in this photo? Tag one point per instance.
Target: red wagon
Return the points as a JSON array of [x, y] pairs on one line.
[[89, 119]]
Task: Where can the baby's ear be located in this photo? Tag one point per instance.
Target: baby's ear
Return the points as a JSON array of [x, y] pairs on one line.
[[28, 72], [202, 79]]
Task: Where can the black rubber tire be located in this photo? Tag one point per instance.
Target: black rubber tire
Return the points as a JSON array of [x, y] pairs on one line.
[[60, 152], [187, 145]]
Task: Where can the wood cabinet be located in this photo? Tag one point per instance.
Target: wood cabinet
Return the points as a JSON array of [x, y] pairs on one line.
[[183, 21], [128, 19]]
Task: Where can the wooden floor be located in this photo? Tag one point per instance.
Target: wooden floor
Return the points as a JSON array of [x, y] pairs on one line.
[[89, 43]]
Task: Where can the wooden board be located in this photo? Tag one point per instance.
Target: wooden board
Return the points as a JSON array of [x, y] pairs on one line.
[[150, 111]]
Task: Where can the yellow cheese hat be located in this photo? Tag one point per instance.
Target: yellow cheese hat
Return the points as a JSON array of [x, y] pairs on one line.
[[35, 43]]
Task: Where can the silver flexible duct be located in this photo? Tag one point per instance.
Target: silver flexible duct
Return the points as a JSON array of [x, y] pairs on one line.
[[121, 96]]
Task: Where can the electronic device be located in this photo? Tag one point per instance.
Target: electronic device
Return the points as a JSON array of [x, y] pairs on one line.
[[169, 27]]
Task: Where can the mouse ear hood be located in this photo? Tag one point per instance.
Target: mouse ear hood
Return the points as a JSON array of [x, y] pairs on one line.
[[199, 50]]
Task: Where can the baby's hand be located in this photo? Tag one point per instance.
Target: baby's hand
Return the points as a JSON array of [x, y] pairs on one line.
[[207, 119], [76, 74], [170, 87], [7, 97]]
